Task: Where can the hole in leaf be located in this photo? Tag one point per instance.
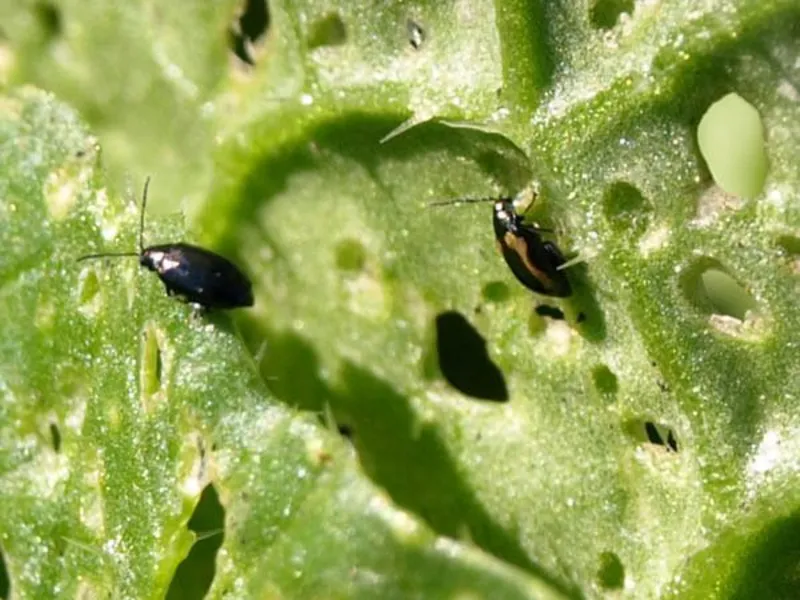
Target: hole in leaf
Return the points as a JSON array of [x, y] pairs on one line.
[[611, 574], [194, 575], [346, 431], [545, 310], [604, 14], [152, 362], [350, 256], [416, 34], [463, 359], [496, 291], [5, 581], [248, 29], [49, 18], [625, 208], [327, 31], [605, 380], [730, 137], [706, 285], [55, 437], [652, 433]]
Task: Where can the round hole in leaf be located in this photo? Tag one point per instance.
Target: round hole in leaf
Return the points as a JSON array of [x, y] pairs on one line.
[[463, 360], [731, 139], [611, 573], [708, 286], [604, 14]]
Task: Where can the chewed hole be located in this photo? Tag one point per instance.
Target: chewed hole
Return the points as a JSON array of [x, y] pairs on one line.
[[194, 575], [605, 381], [5, 581], [152, 362], [625, 208], [248, 30], [463, 360], [611, 573], [726, 295], [713, 291], [416, 34], [604, 14], [49, 18], [645, 431], [55, 437], [545, 310], [327, 31], [350, 256], [496, 291]]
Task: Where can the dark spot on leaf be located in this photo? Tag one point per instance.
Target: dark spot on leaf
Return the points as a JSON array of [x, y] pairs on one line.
[[545, 310], [789, 244], [605, 381], [346, 431], [5, 581], [712, 290], [350, 256], [496, 291], [327, 31], [194, 575], [611, 573], [625, 208], [463, 359], [646, 431], [49, 17], [416, 34], [249, 29], [55, 437], [604, 14]]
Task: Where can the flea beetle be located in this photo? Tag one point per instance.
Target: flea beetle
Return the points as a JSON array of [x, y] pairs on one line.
[[199, 276], [536, 263]]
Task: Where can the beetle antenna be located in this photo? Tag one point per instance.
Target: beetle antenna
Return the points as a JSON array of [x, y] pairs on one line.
[[105, 254], [469, 200], [141, 217]]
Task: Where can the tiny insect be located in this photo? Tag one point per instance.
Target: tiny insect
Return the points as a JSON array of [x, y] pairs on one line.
[[536, 263], [200, 277]]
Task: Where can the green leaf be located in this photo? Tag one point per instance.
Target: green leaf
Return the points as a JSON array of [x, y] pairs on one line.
[[150, 405], [648, 445]]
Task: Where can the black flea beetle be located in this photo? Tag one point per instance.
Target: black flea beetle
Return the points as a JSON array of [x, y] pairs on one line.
[[536, 263], [199, 276]]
